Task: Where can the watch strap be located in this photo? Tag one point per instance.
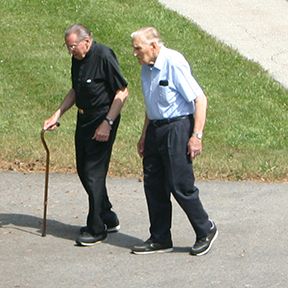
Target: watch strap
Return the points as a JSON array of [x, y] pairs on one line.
[[109, 120], [198, 135]]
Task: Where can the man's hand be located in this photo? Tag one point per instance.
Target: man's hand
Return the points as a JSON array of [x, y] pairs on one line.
[[140, 146], [52, 122], [194, 147], [102, 132]]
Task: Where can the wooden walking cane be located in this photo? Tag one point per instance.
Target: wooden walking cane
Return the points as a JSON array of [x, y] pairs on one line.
[[44, 224]]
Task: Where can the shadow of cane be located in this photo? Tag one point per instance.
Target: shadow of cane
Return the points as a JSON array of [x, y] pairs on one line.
[[22, 221]]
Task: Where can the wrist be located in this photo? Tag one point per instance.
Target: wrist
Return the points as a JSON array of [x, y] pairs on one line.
[[109, 120], [198, 134]]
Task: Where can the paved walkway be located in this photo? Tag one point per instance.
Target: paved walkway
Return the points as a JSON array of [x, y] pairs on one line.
[[250, 252], [258, 29]]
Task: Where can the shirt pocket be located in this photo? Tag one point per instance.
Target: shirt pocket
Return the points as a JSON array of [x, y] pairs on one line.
[[165, 96], [92, 87]]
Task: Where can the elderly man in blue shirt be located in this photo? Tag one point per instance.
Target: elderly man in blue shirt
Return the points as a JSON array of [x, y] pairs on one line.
[[170, 140]]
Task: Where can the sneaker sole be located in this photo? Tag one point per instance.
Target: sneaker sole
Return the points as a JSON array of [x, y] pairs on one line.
[[209, 247], [78, 243], [153, 252], [113, 229]]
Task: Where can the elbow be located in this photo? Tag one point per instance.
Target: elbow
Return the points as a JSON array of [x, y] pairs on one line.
[[206, 101], [202, 100], [121, 95], [125, 94]]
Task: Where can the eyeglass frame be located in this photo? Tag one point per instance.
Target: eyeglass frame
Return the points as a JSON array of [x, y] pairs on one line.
[[73, 46]]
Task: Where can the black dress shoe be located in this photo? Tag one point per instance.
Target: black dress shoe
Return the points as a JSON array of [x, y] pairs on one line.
[[88, 239], [203, 245], [150, 247]]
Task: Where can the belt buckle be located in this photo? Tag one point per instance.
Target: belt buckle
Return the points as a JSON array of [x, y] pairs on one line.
[[81, 111], [158, 123]]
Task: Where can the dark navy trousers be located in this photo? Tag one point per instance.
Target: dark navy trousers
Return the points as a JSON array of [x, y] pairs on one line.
[[168, 169]]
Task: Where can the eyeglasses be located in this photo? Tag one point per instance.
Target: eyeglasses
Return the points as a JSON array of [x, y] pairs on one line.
[[73, 46]]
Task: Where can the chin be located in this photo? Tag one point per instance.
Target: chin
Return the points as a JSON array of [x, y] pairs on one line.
[[78, 57]]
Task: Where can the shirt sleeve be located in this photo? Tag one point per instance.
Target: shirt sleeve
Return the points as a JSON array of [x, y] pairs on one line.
[[184, 82], [113, 73]]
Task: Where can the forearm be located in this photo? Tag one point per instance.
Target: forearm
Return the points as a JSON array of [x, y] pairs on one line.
[[195, 143], [140, 145], [68, 102], [146, 122], [200, 114], [117, 104], [102, 132]]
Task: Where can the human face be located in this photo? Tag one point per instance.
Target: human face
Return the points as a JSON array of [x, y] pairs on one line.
[[77, 48], [146, 53]]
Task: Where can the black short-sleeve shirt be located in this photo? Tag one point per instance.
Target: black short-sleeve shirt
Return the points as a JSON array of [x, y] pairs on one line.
[[96, 78]]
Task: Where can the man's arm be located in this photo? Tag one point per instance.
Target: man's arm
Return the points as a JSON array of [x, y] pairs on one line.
[[117, 104], [67, 103], [200, 114], [140, 144], [103, 130], [195, 141]]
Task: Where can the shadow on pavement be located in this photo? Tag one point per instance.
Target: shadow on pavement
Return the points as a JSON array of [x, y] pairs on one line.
[[58, 229], [54, 228]]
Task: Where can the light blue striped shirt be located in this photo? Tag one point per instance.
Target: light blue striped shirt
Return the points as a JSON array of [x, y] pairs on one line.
[[169, 88]]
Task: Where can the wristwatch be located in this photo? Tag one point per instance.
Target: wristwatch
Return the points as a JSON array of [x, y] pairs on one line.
[[109, 120], [198, 135]]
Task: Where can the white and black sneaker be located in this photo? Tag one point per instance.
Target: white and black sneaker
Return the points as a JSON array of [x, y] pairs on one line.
[[111, 221], [88, 239], [150, 247], [203, 245]]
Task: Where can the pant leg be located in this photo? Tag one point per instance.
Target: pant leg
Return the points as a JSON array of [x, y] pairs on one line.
[[179, 171], [156, 192], [92, 161]]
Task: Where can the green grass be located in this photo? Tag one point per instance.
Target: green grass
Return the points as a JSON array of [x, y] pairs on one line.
[[247, 121]]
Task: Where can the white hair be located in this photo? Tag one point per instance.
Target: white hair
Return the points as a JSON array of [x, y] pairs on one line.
[[148, 35]]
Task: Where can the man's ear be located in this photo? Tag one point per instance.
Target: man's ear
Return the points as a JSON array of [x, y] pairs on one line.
[[154, 44], [88, 40]]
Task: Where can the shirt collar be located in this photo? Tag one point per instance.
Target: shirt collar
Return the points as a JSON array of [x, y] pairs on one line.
[[90, 50], [160, 60]]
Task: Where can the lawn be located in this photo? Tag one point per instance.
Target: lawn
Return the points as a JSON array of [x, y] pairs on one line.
[[247, 119]]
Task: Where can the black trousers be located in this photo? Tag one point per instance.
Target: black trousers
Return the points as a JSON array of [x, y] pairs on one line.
[[168, 169], [92, 162]]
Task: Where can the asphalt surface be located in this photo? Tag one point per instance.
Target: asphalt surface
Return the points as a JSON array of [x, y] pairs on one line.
[[251, 249]]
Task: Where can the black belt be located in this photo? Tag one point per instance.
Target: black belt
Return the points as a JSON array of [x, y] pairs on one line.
[[92, 111], [160, 122], [87, 111]]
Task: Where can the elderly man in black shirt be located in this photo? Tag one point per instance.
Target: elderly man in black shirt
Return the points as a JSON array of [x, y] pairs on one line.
[[99, 91]]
